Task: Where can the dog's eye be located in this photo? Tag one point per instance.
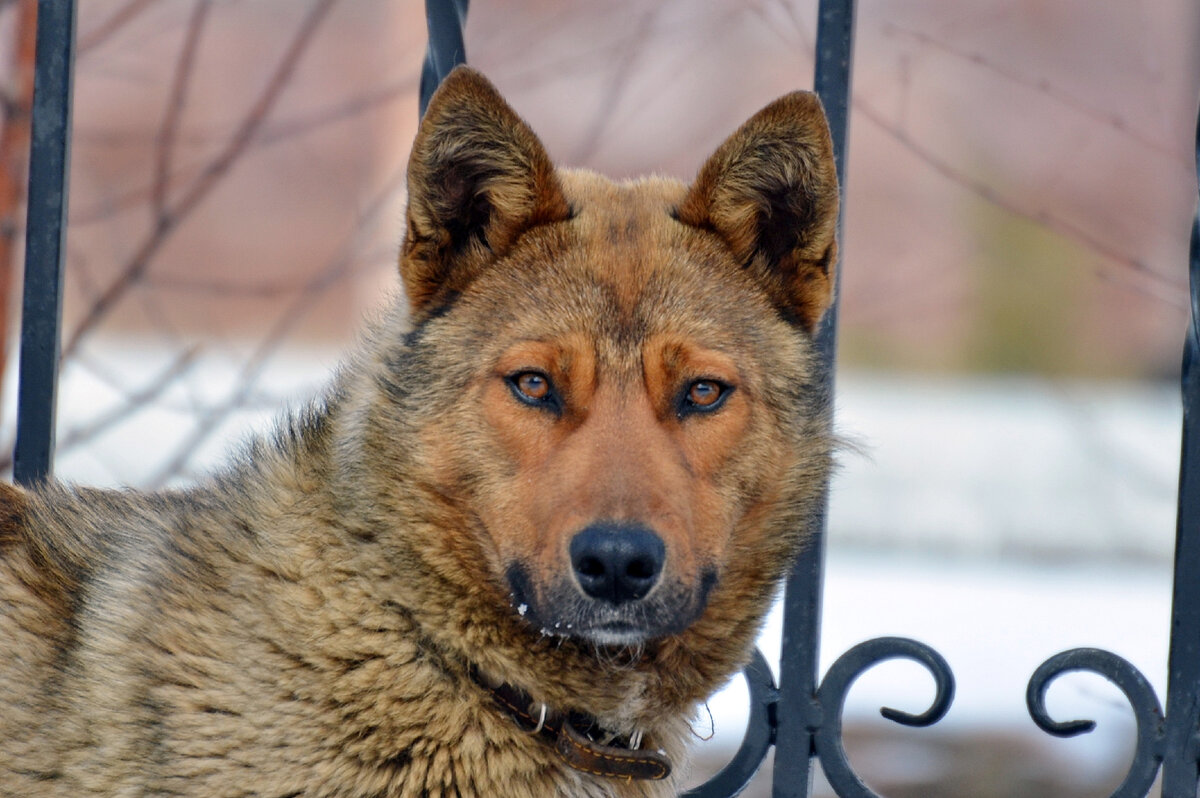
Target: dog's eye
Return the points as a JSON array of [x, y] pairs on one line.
[[704, 396], [704, 393], [533, 388]]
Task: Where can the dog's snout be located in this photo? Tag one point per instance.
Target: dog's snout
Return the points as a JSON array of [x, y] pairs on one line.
[[617, 562]]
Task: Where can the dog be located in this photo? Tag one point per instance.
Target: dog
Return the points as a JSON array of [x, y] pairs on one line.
[[536, 519]]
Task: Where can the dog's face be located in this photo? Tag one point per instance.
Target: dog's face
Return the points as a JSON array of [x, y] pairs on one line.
[[627, 363]]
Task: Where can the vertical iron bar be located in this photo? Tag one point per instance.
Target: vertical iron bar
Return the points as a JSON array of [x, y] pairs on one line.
[[445, 20], [1180, 771], [45, 238], [798, 715]]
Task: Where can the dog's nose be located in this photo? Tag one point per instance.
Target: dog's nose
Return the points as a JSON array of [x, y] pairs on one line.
[[617, 562]]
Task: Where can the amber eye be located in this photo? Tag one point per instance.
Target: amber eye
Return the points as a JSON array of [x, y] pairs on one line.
[[704, 396], [534, 388], [704, 393], [532, 385]]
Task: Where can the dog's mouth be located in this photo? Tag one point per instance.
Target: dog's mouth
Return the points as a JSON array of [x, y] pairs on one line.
[[617, 634], [563, 611]]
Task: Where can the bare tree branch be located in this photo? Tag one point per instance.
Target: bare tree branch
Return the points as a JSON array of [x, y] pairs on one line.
[[120, 17], [271, 134], [1046, 87], [338, 269], [133, 403], [615, 86], [209, 178], [175, 106], [1154, 284], [256, 290]]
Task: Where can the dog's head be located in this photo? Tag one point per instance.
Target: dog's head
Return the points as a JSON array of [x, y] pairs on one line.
[[620, 395]]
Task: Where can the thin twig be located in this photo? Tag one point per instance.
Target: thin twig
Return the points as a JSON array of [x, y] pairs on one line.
[[270, 135], [165, 140], [1155, 285], [268, 289], [615, 86], [120, 17], [209, 178], [133, 403], [338, 269], [1169, 291], [1042, 86]]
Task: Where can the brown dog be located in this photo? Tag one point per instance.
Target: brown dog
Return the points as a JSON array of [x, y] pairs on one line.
[[535, 520]]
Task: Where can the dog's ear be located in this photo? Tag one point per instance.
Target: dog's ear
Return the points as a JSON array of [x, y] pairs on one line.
[[477, 178], [771, 192]]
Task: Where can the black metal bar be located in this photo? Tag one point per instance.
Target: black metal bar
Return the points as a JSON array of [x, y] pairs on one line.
[[1180, 772], [445, 20], [798, 715], [760, 734], [45, 240]]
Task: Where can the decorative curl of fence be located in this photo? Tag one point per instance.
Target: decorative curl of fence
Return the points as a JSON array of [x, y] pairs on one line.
[[802, 715]]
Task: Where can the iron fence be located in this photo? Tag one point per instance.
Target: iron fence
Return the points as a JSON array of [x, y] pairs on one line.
[[45, 237], [802, 715]]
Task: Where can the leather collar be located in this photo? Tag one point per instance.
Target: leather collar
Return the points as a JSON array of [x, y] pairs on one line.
[[576, 737]]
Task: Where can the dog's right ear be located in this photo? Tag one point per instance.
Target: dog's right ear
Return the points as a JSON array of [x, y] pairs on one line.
[[477, 178], [771, 192]]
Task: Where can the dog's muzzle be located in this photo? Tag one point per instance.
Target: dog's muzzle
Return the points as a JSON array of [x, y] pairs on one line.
[[616, 591]]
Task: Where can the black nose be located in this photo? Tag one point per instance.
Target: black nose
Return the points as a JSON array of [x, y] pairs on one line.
[[617, 562]]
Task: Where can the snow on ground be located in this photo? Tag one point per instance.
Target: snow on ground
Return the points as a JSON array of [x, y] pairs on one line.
[[1009, 466]]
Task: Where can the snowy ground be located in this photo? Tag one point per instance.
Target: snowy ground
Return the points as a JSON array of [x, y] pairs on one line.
[[998, 520], [1009, 466]]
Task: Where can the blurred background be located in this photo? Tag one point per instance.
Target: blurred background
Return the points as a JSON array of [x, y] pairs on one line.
[[1019, 196]]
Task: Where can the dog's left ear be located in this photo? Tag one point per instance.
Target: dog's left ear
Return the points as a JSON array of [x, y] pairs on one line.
[[771, 192], [478, 177]]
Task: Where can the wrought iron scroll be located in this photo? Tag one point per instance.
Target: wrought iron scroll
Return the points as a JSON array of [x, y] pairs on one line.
[[831, 700], [45, 240], [826, 709], [759, 736], [1146, 709]]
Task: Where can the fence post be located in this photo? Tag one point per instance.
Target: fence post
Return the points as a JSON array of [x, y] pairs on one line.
[[797, 715], [1181, 751], [45, 240]]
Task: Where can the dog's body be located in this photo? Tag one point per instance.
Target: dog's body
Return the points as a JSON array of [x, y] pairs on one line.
[[578, 463]]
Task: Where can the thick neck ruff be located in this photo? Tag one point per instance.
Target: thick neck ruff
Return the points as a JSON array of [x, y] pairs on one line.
[[578, 739]]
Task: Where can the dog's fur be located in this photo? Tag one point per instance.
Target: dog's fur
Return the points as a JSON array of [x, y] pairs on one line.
[[305, 622]]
